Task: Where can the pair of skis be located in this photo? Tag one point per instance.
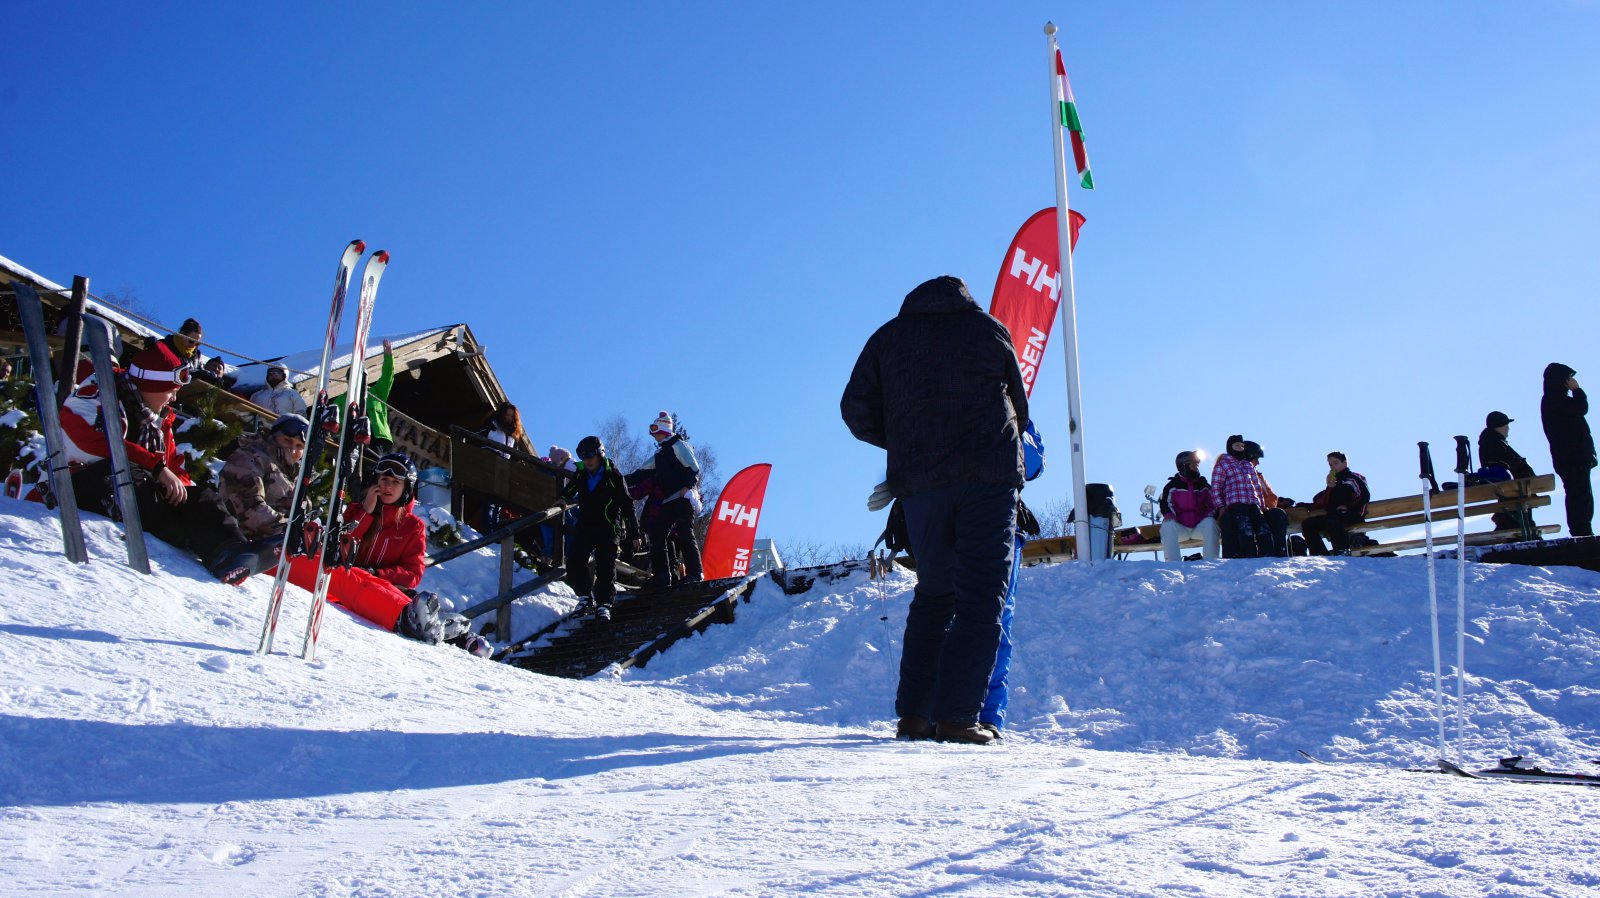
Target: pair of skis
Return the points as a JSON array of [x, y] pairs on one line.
[[98, 334], [1463, 466], [306, 536]]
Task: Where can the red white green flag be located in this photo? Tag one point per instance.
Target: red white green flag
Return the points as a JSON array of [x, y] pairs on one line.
[[1069, 120]]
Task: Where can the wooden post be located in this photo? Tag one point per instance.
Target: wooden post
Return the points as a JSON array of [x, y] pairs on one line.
[[67, 374], [502, 617]]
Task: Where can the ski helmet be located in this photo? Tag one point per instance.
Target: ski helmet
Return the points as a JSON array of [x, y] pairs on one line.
[[1183, 459], [399, 466], [590, 447], [293, 425]]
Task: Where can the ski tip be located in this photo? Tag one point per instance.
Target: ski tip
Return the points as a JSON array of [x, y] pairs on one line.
[[360, 246], [382, 255]]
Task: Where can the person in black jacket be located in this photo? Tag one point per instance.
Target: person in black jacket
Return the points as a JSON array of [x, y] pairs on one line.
[[1495, 450], [938, 387], [676, 471], [605, 518], [1571, 445], [1343, 502]]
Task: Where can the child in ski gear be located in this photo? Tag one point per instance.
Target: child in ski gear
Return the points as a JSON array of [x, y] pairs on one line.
[[1187, 510], [277, 396], [1343, 503], [938, 387], [605, 519], [257, 481], [170, 507], [386, 546], [1495, 452], [1563, 410], [676, 472], [992, 716]]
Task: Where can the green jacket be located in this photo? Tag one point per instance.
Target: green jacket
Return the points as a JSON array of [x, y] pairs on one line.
[[378, 400]]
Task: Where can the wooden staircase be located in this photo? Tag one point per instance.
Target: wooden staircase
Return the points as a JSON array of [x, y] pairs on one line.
[[644, 622]]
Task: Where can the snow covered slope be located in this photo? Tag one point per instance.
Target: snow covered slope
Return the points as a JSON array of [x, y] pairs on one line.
[[144, 750], [1245, 659]]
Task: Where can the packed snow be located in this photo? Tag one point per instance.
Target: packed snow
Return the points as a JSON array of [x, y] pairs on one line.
[[1156, 715]]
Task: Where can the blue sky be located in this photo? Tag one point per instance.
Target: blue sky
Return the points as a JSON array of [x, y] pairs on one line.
[[1326, 227]]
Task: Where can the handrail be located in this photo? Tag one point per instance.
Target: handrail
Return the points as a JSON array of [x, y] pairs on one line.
[[517, 526]]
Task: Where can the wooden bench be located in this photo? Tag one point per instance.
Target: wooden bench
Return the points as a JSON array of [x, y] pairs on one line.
[[1382, 514]]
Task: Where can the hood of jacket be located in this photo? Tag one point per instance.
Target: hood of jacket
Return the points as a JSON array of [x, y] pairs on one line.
[[941, 296], [1555, 377]]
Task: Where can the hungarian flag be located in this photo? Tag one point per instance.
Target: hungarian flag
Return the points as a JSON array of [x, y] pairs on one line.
[[1069, 120]]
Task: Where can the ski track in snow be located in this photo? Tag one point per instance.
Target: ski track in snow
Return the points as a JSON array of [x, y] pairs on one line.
[[146, 750]]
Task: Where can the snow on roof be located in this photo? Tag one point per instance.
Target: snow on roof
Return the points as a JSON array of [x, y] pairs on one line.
[[305, 365], [108, 312]]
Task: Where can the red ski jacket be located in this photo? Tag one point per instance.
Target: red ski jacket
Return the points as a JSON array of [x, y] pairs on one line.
[[391, 543]]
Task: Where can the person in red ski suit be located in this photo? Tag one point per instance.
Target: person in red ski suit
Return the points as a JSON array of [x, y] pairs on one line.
[[390, 542]]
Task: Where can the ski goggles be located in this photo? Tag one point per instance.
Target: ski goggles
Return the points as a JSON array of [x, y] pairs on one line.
[[180, 375], [295, 427], [657, 428], [393, 467], [588, 454]]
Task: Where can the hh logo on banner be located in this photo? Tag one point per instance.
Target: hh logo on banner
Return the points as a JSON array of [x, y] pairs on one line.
[[1036, 273], [739, 515]]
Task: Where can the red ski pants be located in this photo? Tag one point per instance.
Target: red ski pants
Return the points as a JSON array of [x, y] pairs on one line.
[[360, 592]]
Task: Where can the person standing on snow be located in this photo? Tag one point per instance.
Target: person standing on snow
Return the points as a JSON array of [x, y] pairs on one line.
[[605, 519], [676, 472], [1186, 511], [992, 716], [277, 396], [938, 387], [1571, 444]]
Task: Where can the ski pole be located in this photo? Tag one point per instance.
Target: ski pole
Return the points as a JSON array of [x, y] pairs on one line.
[[1463, 465], [1426, 474]]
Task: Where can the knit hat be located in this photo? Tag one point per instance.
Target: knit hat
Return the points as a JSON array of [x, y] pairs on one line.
[[157, 369], [1497, 419], [664, 423]]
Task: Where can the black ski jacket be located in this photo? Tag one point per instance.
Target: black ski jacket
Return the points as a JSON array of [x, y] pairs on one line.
[[1495, 449], [938, 387], [605, 506], [1563, 411]]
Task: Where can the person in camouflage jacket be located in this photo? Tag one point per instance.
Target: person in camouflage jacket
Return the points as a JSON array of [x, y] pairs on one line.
[[257, 482]]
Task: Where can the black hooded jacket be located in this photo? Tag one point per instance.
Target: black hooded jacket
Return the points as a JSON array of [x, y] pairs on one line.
[[938, 387], [1571, 444]]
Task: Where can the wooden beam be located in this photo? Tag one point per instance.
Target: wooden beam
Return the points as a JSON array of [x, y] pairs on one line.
[[1473, 539]]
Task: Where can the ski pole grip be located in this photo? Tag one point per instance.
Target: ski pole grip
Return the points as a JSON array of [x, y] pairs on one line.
[[1424, 461], [1463, 456]]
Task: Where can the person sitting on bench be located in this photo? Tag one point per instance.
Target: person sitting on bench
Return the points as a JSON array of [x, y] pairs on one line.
[[1343, 502]]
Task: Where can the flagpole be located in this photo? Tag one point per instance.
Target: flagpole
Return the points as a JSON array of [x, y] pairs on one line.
[[1069, 313]]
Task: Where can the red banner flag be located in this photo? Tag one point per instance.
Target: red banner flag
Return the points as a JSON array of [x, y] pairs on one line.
[[732, 534], [1029, 286]]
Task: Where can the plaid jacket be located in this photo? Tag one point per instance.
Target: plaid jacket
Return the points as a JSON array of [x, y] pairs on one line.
[[1234, 481]]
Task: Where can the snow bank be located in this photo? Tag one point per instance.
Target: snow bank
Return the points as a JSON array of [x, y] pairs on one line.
[[1242, 659]]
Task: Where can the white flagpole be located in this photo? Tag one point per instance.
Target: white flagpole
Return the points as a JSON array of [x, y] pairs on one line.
[[1069, 313]]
